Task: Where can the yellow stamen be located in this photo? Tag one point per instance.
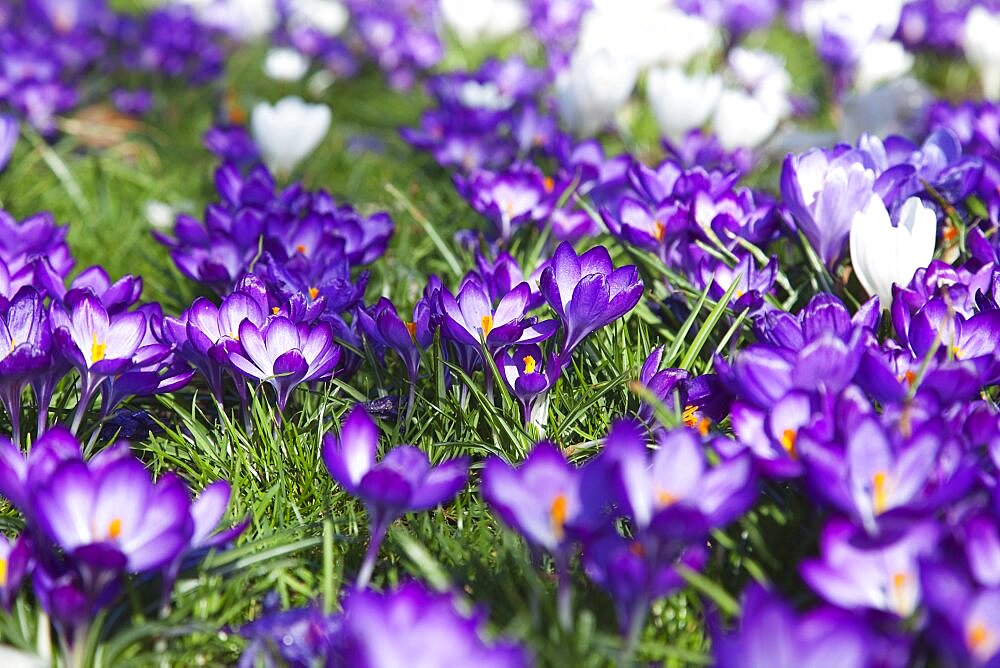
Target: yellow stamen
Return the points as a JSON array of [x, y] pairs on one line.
[[3, 572], [97, 350], [548, 183], [703, 426], [275, 310], [910, 377], [659, 230], [557, 515], [313, 293], [788, 442], [899, 581], [949, 234], [977, 637], [300, 249], [411, 327], [529, 364], [665, 498], [957, 352], [487, 324], [688, 417], [879, 492], [114, 529]]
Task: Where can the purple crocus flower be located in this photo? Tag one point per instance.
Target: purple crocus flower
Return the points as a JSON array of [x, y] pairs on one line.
[[823, 189], [20, 473], [672, 500], [285, 354], [518, 195], [97, 344], [772, 635], [529, 376], [25, 350], [404, 481], [425, 629], [541, 500], [858, 573], [297, 638], [15, 563], [205, 334], [382, 325], [881, 475], [109, 515], [470, 319], [9, 131], [663, 384], [587, 292]]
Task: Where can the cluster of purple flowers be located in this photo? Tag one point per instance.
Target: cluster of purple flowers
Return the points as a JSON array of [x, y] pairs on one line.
[[51, 47], [90, 525]]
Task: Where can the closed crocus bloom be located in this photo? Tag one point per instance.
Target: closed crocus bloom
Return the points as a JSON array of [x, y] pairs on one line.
[[981, 41], [25, 350], [884, 255], [743, 120], [823, 189], [288, 131], [285, 64], [587, 292], [681, 102], [595, 86], [474, 20]]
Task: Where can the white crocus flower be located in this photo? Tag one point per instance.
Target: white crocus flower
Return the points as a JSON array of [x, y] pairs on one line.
[[981, 41], [327, 16], [681, 102], [647, 31], [288, 131], [285, 64], [594, 88], [881, 61], [743, 120], [883, 254], [474, 20]]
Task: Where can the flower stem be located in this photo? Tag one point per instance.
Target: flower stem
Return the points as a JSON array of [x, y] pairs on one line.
[[564, 594], [636, 622], [368, 565]]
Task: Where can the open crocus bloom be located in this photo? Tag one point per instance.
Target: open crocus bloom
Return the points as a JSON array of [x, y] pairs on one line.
[[285, 354]]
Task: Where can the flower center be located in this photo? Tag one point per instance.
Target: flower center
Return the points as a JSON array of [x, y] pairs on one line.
[[97, 350], [411, 327], [275, 310], [313, 293], [300, 249], [529, 364], [114, 529], [957, 352], [788, 442], [557, 515], [659, 230], [977, 637], [548, 183], [487, 324], [688, 417], [3, 572], [899, 582], [665, 498], [880, 492], [704, 424]]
